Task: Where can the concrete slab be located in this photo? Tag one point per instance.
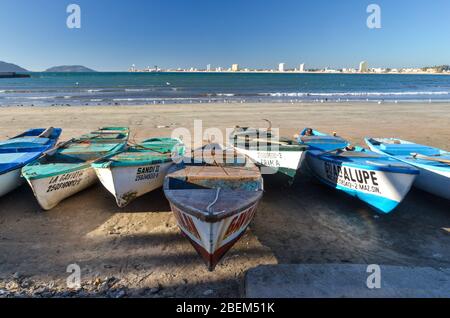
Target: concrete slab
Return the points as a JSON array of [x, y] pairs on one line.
[[345, 281]]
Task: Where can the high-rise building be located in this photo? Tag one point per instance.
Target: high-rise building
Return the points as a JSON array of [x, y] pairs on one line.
[[208, 68], [363, 68], [235, 67], [302, 67], [281, 67]]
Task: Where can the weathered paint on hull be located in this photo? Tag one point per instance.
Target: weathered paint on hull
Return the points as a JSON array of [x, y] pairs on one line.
[[129, 183], [52, 190], [286, 162], [10, 181], [213, 240]]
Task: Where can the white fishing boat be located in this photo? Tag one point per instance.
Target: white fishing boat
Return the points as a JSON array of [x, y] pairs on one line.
[[433, 163], [378, 180], [214, 199], [272, 153], [66, 170], [139, 169]]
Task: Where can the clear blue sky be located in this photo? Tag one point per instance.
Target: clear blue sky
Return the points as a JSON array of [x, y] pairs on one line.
[[253, 33]]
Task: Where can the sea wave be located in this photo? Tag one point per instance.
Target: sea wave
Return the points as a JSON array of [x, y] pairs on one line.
[[136, 90], [355, 94]]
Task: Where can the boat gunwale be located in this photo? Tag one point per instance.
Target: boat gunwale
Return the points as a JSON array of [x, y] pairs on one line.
[[42, 148], [206, 216], [428, 165], [408, 169], [76, 166]]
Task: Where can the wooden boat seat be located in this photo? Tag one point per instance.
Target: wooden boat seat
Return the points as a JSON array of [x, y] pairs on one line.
[[214, 172], [322, 139]]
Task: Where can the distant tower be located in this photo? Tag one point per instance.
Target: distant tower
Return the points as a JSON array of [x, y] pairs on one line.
[[302, 67], [235, 67], [363, 67], [208, 68], [281, 67]]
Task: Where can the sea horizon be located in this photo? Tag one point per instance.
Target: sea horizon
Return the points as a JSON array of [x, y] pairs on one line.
[[131, 88]]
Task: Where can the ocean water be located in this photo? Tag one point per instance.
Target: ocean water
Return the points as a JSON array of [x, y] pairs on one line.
[[151, 88]]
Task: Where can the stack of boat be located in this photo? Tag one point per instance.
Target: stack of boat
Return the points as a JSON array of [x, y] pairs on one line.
[[214, 191]]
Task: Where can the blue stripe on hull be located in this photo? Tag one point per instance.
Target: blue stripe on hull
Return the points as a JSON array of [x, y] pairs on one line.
[[381, 204]]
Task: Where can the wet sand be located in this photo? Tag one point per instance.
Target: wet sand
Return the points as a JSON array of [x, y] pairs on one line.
[[139, 251]]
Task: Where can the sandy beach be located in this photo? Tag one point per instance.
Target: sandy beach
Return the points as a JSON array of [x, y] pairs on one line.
[[139, 251]]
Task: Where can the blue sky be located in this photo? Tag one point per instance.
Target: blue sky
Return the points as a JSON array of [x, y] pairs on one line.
[[253, 33]]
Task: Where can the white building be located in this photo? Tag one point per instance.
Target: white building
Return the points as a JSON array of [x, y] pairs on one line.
[[363, 68], [302, 67], [208, 68], [235, 67], [281, 67]]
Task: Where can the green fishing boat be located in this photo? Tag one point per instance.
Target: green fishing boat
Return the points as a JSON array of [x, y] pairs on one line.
[[67, 169]]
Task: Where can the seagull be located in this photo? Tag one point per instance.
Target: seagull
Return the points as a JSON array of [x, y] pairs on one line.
[[168, 84]]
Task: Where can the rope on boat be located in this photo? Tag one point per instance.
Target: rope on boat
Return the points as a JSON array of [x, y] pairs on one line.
[[270, 124], [209, 208]]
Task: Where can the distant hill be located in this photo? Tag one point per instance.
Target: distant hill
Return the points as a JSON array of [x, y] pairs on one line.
[[70, 68], [9, 67]]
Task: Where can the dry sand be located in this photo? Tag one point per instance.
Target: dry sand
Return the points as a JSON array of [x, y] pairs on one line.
[[139, 251]]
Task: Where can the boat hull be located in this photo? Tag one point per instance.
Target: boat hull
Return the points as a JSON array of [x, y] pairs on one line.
[[129, 183], [212, 240], [50, 191], [10, 181], [286, 162], [383, 190], [434, 181]]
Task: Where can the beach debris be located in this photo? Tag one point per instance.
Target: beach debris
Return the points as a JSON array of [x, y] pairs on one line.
[[446, 229], [208, 292]]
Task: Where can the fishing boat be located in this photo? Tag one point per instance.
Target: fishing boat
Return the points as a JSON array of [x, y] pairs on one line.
[[20, 150], [214, 198], [66, 170], [317, 140], [269, 151], [141, 168], [433, 163], [378, 180]]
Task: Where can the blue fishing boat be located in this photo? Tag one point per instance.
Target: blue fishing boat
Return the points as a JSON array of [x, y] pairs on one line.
[[433, 163], [20, 150], [378, 180], [317, 140]]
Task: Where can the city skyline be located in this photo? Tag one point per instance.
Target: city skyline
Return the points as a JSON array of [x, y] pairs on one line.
[[179, 34]]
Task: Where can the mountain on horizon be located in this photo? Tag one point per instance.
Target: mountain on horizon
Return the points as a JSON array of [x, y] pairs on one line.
[[10, 67], [69, 68]]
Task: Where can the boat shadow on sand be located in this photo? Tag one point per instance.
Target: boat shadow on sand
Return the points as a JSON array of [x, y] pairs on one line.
[[316, 224]]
